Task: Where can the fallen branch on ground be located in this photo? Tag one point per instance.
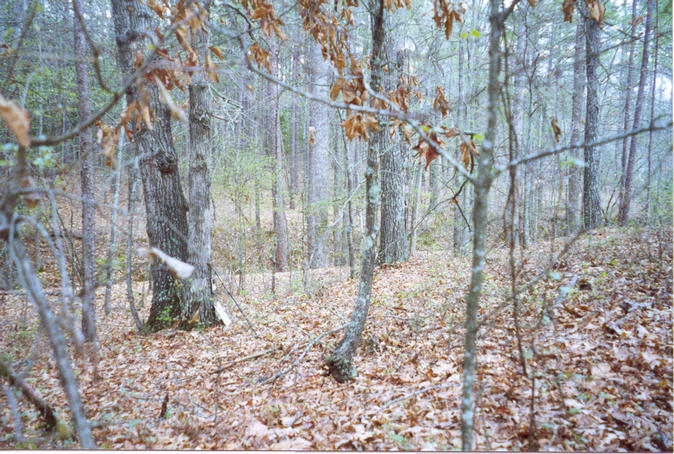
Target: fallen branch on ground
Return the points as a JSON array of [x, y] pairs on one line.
[[280, 374], [253, 356], [51, 417], [416, 393]]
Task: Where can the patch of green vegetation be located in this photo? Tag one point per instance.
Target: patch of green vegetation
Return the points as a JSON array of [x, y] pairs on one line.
[[416, 323]]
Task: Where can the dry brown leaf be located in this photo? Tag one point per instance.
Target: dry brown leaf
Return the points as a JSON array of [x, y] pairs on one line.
[[555, 129], [567, 8], [17, 120], [217, 52], [107, 137]]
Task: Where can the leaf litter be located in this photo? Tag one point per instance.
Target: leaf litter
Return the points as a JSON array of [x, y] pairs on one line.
[[600, 359]]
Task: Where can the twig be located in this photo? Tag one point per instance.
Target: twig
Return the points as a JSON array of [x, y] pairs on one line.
[[581, 144], [533, 281], [416, 393], [561, 296], [21, 40], [281, 373], [249, 357], [94, 48], [252, 328], [116, 96]]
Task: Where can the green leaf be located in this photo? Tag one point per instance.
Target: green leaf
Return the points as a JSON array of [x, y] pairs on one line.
[[463, 35], [475, 33]]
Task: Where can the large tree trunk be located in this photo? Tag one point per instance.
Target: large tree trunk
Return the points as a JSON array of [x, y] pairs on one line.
[[165, 205], [629, 171], [199, 290], [86, 179], [340, 363], [393, 237], [480, 214], [317, 192], [574, 175], [591, 210]]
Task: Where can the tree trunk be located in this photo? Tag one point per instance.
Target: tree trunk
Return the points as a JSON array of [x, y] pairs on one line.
[[393, 237], [458, 227], [294, 124], [629, 171], [348, 214], [86, 179], [650, 133], [340, 363], [574, 174], [591, 209], [275, 150], [165, 205], [480, 214], [199, 289], [433, 177], [317, 196], [58, 344], [419, 170], [626, 113]]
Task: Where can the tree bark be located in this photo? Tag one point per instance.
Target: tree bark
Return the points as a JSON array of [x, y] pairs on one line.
[[54, 334], [294, 124], [393, 236], [480, 213], [591, 209], [629, 171], [274, 146], [317, 195], [650, 133], [165, 205], [348, 214], [458, 222], [199, 289], [574, 174], [627, 108], [433, 177], [86, 181], [340, 362], [418, 169]]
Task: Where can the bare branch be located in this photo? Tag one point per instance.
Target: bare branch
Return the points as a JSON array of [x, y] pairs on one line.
[[602, 141]]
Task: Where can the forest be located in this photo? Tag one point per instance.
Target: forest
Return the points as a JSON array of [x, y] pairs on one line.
[[336, 225]]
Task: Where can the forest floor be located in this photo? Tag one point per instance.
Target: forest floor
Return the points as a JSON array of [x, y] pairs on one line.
[[599, 359]]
